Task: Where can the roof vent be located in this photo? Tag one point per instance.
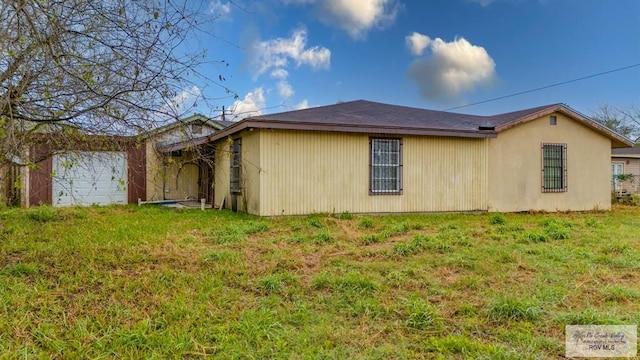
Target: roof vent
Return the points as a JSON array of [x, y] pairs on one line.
[[491, 128]]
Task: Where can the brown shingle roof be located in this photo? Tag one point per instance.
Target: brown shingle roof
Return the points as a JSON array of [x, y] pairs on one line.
[[378, 118]]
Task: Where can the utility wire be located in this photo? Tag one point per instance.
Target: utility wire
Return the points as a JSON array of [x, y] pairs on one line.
[[544, 87]]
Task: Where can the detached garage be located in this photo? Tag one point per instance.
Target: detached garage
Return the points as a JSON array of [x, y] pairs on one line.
[[89, 178], [95, 170]]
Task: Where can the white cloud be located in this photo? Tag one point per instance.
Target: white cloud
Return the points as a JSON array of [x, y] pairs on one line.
[[417, 43], [284, 89], [251, 105], [279, 74], [357, 17], [304, 104], [276, 53], [451, 68], [220, 10]]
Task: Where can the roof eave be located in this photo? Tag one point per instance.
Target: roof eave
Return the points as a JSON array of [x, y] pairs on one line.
[[349, 128], [626, 156], [617, 140]]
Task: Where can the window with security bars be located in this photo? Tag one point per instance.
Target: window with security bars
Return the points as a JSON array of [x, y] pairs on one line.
[[554, 167], [236, 160], [385, 166]]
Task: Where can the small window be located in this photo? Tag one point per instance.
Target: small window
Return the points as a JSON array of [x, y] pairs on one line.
[[176, 153], [553, 120], [554, 167], [196, 129], [236, 161], [385, 166]]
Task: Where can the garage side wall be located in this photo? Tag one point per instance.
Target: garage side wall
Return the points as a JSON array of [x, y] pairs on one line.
[[136, 160], [39, 180], [515, 167]]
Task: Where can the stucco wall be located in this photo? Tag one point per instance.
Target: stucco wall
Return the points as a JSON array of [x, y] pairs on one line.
[[306, 172], [170, 178], [515, 167]]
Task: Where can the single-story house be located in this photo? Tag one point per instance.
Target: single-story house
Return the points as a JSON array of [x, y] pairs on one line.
[[368, 157], [625, 162], [178, 160]]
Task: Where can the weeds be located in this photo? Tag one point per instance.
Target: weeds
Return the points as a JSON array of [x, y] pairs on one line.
[[365, 223], [420, 314], [43, 214], [512, 308], [369, 239], [148, 282]]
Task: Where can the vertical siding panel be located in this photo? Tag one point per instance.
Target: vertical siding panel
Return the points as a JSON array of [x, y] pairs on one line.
[[305, 172]]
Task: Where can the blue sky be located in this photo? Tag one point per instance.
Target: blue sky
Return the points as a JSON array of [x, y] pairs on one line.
[[290, 54]]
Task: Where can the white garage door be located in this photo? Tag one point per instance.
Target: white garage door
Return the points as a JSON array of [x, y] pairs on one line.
[[87, 178]]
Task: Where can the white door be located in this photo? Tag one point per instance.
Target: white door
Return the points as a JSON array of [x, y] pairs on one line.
[[617, 168], [89, 177]]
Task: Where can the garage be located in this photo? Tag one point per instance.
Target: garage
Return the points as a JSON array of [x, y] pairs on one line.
[[89, 177]]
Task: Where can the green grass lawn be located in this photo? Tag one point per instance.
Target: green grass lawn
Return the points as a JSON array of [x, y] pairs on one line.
[[153, 282]]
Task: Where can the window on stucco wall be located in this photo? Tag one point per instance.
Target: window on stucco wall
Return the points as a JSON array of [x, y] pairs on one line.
[[554, 167]]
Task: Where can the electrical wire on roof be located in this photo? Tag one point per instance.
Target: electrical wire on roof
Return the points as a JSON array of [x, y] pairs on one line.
[[544, 87]]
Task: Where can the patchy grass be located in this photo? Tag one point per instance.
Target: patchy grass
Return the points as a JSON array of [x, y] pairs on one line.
[[151, 282]]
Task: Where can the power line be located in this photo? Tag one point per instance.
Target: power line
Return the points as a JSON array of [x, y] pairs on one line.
[[544, 87]]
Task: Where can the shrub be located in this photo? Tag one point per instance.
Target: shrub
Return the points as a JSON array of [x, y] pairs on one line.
[[497, 219]]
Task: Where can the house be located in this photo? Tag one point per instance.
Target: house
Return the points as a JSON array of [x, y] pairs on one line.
[[177, 165], [80, 169], [367, 157], [625, 164]]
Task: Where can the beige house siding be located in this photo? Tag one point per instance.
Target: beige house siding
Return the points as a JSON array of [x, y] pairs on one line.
[[221, 173], [251, 188], [154, 173], [171, 178], [515, 167], [249, 199], [302, 172], [629, 166]]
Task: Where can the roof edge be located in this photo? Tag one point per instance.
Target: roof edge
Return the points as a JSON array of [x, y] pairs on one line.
[[618, 140], [348, 128]]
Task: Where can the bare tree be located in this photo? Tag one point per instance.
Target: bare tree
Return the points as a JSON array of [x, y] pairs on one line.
[[625, 121], [100, 66]]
